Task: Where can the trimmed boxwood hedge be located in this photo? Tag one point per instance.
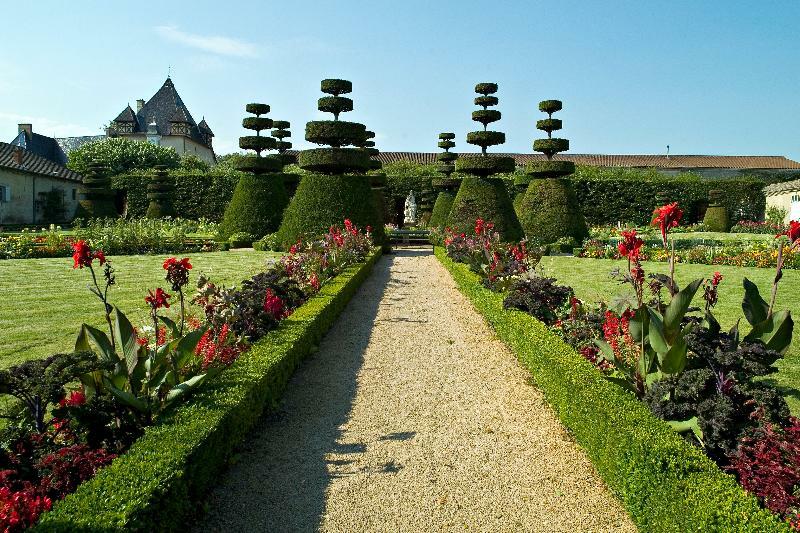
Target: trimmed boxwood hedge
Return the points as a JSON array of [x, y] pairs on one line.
[[335, 132], [256, 206], [549, 211], [665, 483], [717, 219], [484, 165], [156, 485], [486, 198], [334, 160], [441, 209]]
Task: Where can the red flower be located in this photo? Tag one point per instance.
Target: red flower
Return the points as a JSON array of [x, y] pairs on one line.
[[274, 306], [74, 399], [478, 226], [82, 255], [630, 244], [21, 509], [313, 280], [716, 279], [666, 217], [177, 272], [100, 256], [158, 300], [793, 232]]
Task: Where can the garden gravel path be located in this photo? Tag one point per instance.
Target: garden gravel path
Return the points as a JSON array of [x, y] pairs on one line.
[[412, 416]]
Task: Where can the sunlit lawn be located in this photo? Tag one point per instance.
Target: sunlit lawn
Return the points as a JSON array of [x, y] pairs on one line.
[[591, 280], [44, 301]]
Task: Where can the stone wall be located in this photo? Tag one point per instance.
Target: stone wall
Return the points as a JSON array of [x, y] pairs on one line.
[[25, 206]]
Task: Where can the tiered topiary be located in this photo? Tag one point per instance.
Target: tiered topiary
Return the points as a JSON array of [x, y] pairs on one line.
[[97, 198], [259, 198], [549, 209], [520, 187], [717, 218], [280, 133], [480, 195], [161, 194], [377, 181], [336, 186], [446, 186]]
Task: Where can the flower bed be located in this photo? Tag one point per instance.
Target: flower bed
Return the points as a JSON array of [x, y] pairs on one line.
[[114, 237], [665, 483], [135, 381]]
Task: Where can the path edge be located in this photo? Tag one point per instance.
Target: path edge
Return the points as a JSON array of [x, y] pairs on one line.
[[157, 484], [664, 482]]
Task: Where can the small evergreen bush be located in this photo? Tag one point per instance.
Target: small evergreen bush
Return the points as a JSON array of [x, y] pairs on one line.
[[161, 194], [716, 217], [97, 198]]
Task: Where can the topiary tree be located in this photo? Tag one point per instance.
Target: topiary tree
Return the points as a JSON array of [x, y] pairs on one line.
[[97, 198], [260, 197], [161, 194], [446, 186], [378, 183], [549, 209], [336, 186], [480, 195], [280, 133], [520, 186], [717, 218]]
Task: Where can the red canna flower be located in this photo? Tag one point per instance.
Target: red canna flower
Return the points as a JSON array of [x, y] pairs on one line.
[[274, 306], [666, 217], [100, 256], [74, 399], [630, 244], [82, 255], [716, 279], [158, 299], [793, 232], [177, 272]]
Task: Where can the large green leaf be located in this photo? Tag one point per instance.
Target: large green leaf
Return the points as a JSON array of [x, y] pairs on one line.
[[639, 324], [91, 339], [674, 360], [754, 307], [186, 346], [775, 332], [682, 426], [126, 339], [622, 382], [171, 325], [129, 399], [183, 388], [607, 353], [677, 308], [656, 333]]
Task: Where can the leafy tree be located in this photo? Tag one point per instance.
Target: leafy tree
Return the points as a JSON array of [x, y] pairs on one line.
[[191, 162], [121, 155]]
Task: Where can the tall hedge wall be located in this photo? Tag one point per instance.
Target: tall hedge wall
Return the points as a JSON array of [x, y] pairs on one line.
[[197, 194]]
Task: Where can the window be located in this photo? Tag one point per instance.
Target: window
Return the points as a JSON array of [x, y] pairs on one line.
[[5, 193], [74, 193]]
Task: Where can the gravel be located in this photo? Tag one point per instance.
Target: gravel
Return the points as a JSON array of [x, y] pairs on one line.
[[412, 416]]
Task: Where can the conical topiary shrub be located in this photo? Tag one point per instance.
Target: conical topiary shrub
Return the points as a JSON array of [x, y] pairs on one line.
[[161, 194], [260, 197], [549, 210], [280, 134], [336, 186], [480, 195], [717, 218], [520, 187], [97, 198], [377, 182], [446, 186]]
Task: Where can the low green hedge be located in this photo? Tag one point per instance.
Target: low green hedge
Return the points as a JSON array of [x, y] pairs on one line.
[[665, 483], [156, 484]]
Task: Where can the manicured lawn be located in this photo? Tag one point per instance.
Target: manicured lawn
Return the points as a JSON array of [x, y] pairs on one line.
[[44, 301], [591, 280]]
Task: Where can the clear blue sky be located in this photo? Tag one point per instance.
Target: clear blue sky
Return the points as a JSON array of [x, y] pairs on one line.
[[710, 77]]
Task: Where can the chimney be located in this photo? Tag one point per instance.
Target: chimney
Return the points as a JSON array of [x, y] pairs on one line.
[[18, 153], [27, 128], [139, 105]]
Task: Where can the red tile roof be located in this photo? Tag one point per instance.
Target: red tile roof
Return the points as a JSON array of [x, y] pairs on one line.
[[34, 164]]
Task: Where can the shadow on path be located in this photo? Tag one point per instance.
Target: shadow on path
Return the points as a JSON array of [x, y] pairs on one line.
[[279, 480]]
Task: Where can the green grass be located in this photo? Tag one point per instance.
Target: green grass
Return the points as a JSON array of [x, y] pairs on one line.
[[591, 280], [45, 300]]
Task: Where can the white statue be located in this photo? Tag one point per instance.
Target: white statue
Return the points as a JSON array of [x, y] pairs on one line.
[[410, 209]]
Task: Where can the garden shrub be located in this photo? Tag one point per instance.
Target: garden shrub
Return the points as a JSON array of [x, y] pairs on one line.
[[549, 209], [120, 155], [241, 240], [334, 187], [539, 297], [716, 218], [160, 193], [665, 483], [447, 186], [441, 209], [481, 196], [156, 485], [96, 195], [260, 198]]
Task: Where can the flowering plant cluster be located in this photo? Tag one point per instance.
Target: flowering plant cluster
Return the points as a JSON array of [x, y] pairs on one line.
[[749, 226], [499, 263]]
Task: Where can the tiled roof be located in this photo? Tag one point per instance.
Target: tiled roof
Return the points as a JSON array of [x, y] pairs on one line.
[[41, 145], [742, 162], [778, 188], [34, 164], [127, 115], [204, 126], [164, 107]]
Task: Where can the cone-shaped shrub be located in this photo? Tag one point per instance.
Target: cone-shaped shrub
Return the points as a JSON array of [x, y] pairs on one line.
[[336, 186], [280, 134], [97, 198], [717, 218], [549, 209], [480, 195], [161, 194], [446, 186], [260, 197]]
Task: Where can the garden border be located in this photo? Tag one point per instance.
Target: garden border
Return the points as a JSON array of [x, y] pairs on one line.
[[157, 483], [664, 483]]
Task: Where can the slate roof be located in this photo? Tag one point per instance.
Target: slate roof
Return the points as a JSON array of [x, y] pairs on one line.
[[35, 164], [779, 188], [677, 162], [42, 146], [164, 107], [204, 126]]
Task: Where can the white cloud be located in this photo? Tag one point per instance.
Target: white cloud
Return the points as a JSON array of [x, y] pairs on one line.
[[225, 46], [46, 126]]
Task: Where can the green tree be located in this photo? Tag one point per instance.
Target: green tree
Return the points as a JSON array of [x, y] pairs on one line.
[[446, 186], [120, 155]]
